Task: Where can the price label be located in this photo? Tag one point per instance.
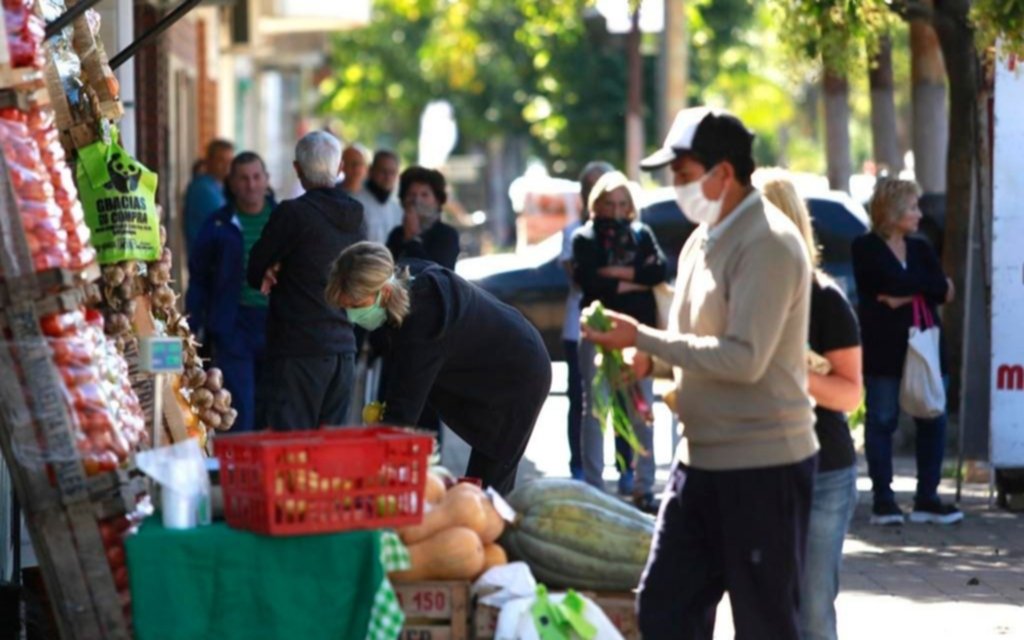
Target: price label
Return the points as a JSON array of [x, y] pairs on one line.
[[161, 355]]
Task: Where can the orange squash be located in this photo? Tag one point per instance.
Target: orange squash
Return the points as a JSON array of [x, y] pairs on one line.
[[494, 555], [455, 553], [433, 490], [494, 524], [463, 506]]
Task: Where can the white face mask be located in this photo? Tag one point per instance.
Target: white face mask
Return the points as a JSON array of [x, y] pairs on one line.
[[695, 205]]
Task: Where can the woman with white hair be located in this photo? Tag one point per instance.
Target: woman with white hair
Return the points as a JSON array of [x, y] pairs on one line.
[[476, 361], [617, 260], [310, 345]]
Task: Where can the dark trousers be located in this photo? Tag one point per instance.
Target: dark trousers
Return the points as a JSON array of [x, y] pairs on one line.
[[241, 356], [308, 392], [882, 404], [575, 392], [740, 531]]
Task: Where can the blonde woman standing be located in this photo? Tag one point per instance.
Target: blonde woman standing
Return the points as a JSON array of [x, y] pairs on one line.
[[836, 390], [617, 260], [892, 268], [476, 361]]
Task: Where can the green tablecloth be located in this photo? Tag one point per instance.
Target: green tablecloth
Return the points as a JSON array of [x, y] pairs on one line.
[[217, 583]]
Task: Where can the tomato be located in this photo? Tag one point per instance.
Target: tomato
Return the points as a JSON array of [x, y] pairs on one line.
[[115, 555]]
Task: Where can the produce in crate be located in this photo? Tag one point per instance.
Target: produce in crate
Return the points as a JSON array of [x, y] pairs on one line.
[[574, 536]]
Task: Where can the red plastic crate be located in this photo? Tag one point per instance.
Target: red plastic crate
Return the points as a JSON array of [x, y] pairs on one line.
[[322, 481]]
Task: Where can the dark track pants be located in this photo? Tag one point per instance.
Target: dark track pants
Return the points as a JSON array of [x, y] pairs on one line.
[[741, 531]]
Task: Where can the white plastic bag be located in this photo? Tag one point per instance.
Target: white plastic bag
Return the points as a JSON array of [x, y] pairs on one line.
[[922, 391], [515, 622], [180, 469]]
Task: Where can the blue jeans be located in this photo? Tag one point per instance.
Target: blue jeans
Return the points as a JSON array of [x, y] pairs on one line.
[[832, 505], [241, 356], [883, 412], [575, 393]]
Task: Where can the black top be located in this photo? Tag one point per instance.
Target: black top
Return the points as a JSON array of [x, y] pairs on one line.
[[601, 243], [305, 235], [478, 362], [833, 327], [439, 243], [884, 330]]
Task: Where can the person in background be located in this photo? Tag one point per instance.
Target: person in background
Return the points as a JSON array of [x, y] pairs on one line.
[[837, 388], [571, 327], [310, 345], [381, 208], [891, 269], [736, 507], [354, 160], [476, 360], [617, 260], [422, 234], [230, 313], [205, 193]]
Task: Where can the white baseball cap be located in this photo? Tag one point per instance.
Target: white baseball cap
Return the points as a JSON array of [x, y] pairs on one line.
[[709, 134]]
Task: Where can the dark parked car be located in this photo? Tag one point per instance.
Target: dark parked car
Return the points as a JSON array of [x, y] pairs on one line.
[[535, 283]]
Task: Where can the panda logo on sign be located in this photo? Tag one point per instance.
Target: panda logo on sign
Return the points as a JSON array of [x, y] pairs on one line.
[[124, 174]]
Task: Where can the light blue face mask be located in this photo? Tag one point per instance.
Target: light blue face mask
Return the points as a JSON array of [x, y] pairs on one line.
[[369, 318]]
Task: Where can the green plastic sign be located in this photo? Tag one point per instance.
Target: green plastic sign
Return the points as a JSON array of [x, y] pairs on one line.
[[119, 198]]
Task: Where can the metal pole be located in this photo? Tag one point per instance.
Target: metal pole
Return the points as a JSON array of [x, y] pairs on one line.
[[161, 26], [69, 16]]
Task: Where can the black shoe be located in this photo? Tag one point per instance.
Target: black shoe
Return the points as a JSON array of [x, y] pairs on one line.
[[886, 514], [935, 513], [647, 503]]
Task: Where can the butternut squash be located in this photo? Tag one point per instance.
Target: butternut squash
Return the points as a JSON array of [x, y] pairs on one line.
[[494, 555], [461, 507], [433, 490], [494, 524], [455, 553]]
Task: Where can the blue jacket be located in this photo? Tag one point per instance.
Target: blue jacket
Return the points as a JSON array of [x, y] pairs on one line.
[[216, 273]]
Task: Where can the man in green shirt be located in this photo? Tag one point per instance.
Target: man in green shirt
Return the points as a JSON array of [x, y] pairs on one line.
[[221, 305]]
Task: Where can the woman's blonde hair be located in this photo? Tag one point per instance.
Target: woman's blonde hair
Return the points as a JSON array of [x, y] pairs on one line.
[[781, 193], [889, 203], [361, 271], [610, 182]]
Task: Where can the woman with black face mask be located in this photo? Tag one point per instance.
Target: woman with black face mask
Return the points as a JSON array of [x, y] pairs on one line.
[[618, 261], [422, 234]]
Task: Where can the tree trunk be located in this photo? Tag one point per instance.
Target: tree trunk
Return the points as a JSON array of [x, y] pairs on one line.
[[674, 68], [885, 142], [500, 215], [837, 130], [634, 102], [964, 69], [931, 118]]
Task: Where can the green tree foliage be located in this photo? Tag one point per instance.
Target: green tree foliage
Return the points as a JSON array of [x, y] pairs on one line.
[[509, 67], [843, 33], [999, 20]]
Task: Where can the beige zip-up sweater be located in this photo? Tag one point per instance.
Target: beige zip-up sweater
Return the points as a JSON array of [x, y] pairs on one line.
[[737, 342]]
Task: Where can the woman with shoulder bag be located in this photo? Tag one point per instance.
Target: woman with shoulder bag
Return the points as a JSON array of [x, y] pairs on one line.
[[892, 271], [617, 260]]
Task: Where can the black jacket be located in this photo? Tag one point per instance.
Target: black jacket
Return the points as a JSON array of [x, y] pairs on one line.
[[478, 362], [884, 330], [632, 245], [439, 243], [305, 235]]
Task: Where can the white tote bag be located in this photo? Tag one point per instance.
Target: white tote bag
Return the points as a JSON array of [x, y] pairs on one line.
[[922, 392]]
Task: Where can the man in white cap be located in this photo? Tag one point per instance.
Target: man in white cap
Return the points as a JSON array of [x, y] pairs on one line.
[[737, 503]]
